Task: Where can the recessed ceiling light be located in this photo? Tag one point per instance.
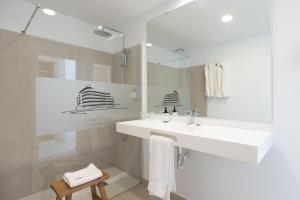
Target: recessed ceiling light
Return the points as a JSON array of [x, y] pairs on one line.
[[227, 18], [149, 44], [100, 27], [49, 12], [121, 34]]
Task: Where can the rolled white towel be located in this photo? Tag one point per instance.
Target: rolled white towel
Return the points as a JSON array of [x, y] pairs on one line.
[[90, 173]]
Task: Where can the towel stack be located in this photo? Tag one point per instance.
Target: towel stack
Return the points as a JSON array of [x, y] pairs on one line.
[[90, 173]]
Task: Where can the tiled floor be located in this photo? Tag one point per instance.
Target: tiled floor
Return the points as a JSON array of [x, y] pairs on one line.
[[138, 193]]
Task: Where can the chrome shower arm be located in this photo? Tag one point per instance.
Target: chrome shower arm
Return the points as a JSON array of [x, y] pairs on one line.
[[37, 7]]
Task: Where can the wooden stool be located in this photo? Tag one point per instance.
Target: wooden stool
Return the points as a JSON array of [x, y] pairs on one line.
[[62, 189]]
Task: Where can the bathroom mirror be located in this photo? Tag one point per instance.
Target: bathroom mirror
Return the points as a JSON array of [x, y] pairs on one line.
[[213, 57]]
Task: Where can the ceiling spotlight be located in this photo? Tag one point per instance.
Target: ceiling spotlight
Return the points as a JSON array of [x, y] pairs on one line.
[[121, 34], [149, 44], [227, 18], [49, 12], [100, 27]]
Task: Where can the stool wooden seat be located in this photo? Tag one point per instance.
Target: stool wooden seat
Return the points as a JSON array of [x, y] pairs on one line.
[[62, 189]]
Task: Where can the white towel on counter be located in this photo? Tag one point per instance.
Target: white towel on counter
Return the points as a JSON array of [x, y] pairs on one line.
[[90, 173], [161, 167]]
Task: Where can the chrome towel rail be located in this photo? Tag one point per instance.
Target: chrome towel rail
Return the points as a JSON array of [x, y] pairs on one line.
[[181, 157]]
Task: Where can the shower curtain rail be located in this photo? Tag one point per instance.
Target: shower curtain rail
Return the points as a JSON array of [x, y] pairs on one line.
[[37, 7]]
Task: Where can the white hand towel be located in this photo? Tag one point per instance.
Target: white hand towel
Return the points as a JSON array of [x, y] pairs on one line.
[[161, 167], [210, 79], [225, 80], [222, 87], [216, 80], [219, 80], [90, 173]]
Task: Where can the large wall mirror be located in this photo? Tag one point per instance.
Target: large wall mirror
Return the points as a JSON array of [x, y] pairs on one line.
[[213, 57]]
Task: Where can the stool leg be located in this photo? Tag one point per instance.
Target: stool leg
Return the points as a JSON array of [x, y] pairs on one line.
[[58, 198], [69, 197], [94, 192], [102, 191]]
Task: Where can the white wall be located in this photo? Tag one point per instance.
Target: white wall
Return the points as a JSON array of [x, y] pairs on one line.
[[208, 177], [248, 66]]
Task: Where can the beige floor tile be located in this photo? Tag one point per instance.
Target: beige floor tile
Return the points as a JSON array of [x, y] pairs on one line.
[[138, 193]]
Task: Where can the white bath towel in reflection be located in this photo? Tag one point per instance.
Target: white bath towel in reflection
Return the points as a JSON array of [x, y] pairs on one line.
[[90, 173], [161, 167], [210, 79], [216, 80], [222, 86]]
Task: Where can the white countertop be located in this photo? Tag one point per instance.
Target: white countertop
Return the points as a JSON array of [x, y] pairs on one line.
[[235, 143]]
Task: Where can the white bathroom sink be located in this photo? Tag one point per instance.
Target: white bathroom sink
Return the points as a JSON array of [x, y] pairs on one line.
[[235, 143]]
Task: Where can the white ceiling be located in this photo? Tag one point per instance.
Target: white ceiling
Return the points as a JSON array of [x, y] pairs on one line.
[[102, 12], [199, 23]]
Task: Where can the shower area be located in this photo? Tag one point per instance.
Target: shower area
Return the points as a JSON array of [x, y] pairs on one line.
[[64, 83]]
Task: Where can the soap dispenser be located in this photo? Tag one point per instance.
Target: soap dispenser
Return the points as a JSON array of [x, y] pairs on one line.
[[166, 116], [166, 110], [174, 112]]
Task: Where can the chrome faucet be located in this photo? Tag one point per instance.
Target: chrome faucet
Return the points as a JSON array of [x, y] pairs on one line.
[[191, 117]]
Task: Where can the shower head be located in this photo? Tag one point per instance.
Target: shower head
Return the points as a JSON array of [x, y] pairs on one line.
[[103, 33], [108, 32], [179, 50], [125, 55]]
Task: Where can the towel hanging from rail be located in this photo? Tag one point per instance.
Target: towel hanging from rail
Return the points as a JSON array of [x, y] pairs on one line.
[[216, 80], [161, 167]]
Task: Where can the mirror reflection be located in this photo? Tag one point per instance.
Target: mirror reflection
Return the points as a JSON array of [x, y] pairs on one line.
[[213, 57]]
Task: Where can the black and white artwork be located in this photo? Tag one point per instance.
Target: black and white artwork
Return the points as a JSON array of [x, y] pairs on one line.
[[89, 99], [64, 105], [171, 99]]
